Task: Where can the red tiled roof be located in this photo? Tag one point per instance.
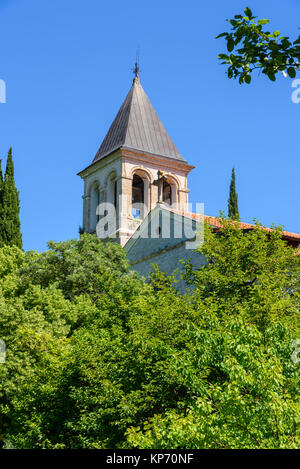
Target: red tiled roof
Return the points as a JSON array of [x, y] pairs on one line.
[[214, 221]]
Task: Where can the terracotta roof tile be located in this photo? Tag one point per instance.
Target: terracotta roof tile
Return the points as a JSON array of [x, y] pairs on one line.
[[214, 221]]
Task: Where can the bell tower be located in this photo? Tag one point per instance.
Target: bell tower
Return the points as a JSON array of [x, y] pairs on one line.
[[136, 167]]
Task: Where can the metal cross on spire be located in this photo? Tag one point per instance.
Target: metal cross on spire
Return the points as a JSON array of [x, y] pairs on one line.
[[136, 70]]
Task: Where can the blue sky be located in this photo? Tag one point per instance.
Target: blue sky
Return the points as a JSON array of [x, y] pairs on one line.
[[67, 66]]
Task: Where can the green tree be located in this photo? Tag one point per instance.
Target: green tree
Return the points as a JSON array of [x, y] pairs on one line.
[[253, 271], [1, 204], [252, 48], [10, 222], [241, 398], [1, 176], [44, 298], [96, 358], [233, 210], [236, 384]]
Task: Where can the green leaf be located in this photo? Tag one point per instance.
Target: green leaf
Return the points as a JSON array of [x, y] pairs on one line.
[[223, 57], [292, 72], [230, 44], [265, 21], [285, 43], [271, 76], [248, 12], [221, 35], [276, 33], [248, 79]]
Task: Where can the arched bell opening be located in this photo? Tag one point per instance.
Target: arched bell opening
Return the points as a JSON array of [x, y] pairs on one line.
[[94, 203], [112, 191], [138, 196], [170, 191], [167, 193]]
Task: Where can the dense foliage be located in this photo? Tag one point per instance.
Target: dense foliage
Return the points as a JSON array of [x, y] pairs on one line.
[[252, 48], [97, 358], [10, 228], [1, 199]]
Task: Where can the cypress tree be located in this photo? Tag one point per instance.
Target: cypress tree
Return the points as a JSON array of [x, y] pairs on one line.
[[1, 206], [233, 210], [11, 227], [1, 176]]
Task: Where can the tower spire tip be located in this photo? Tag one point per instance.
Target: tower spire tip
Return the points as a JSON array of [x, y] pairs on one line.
[[136, 69]]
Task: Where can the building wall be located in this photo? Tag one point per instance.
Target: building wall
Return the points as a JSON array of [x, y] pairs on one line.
[[168, 261], [166, 250]]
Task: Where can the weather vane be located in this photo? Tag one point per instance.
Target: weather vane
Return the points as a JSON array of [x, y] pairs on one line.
[[136, 70]]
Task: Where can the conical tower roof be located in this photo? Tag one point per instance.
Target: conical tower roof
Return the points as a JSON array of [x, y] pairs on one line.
[[138, 127]]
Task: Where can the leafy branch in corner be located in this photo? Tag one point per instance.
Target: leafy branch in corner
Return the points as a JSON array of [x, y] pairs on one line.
[[252, 48]]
